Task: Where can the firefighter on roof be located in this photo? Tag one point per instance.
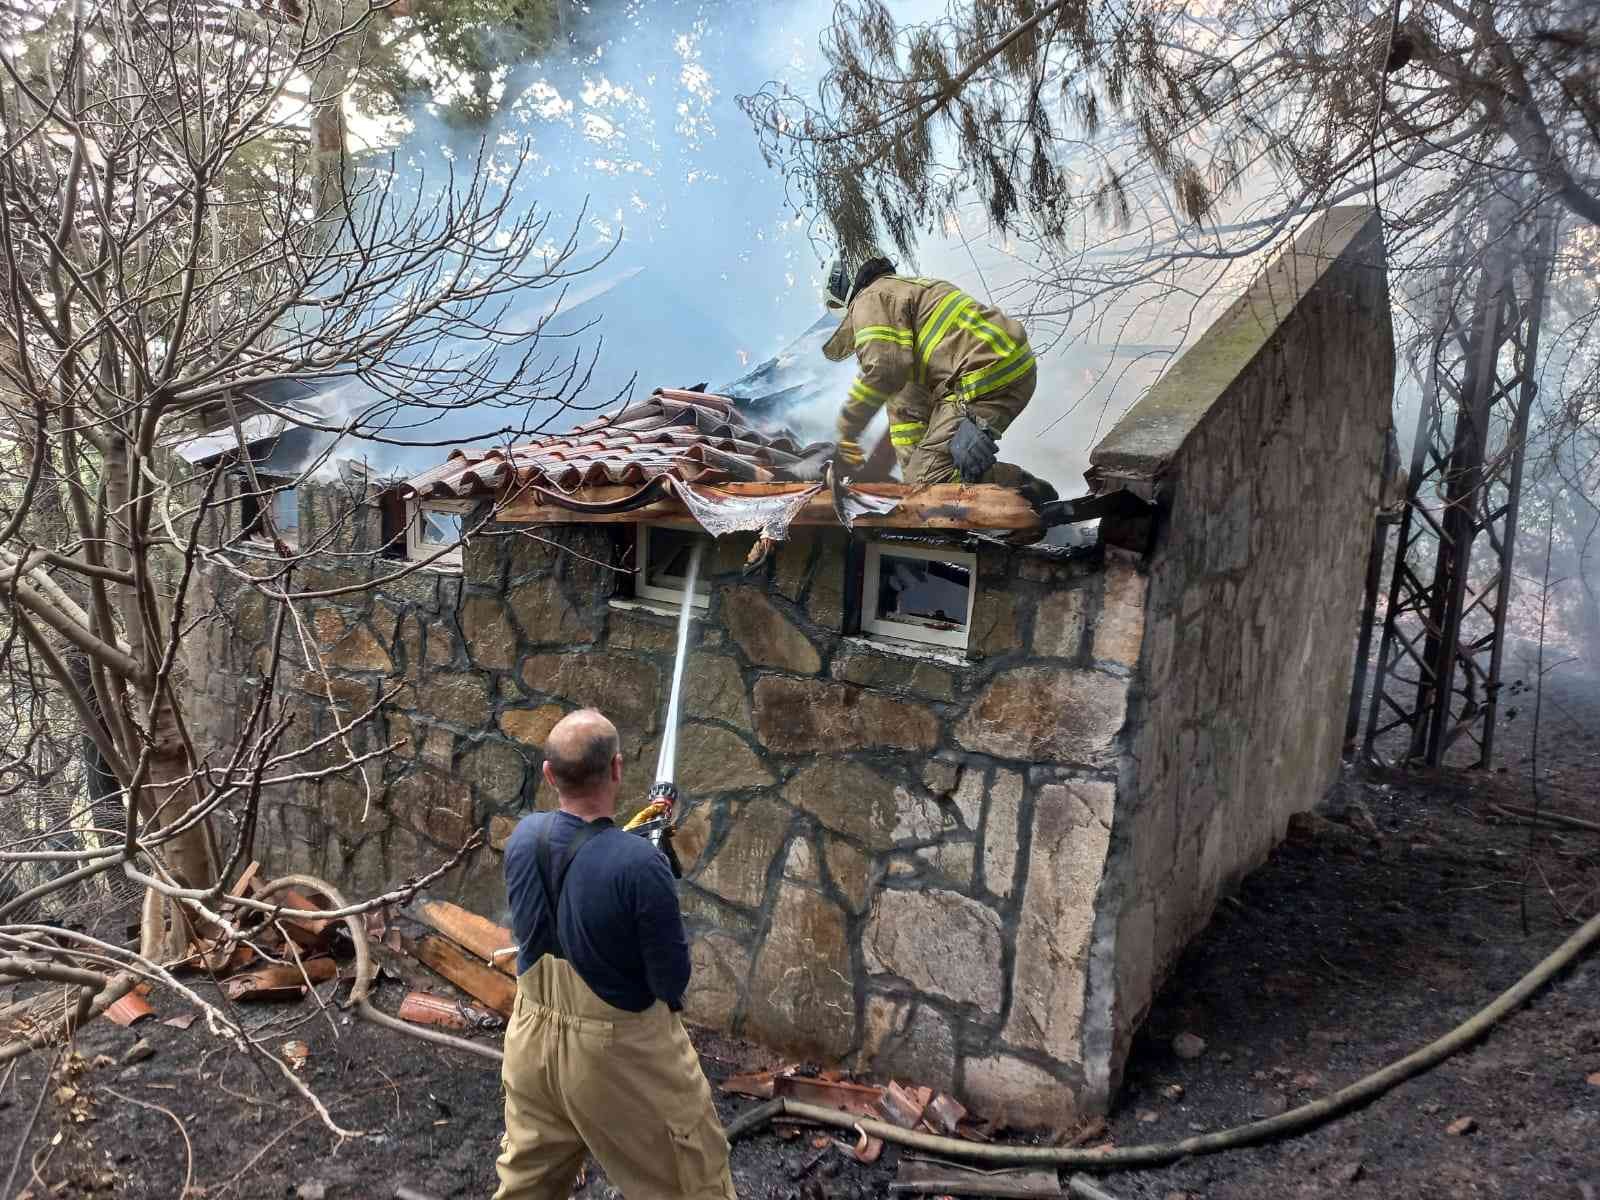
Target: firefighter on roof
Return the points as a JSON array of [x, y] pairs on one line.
[[953, 373]]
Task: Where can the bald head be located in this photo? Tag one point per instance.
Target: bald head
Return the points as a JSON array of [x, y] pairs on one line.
[[580, 755]]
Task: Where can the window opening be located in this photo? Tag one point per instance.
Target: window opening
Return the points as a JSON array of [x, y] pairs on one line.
[[434, 527], [919, 595], [284, 503], [663, 555]]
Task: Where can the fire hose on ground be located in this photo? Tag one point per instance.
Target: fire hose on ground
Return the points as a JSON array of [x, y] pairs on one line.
[[1296, 1120]]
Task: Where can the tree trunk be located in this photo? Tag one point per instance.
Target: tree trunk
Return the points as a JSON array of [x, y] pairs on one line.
[[189, 855]]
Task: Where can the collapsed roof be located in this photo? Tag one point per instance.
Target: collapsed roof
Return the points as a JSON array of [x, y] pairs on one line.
[[693, 454], [692, 436]]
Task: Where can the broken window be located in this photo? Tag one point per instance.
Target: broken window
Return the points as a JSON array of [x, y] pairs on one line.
[[919, 595], [436, 526], [663, 556]]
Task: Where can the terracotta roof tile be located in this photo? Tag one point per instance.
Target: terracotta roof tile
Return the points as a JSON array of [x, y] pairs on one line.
[[692, 436]]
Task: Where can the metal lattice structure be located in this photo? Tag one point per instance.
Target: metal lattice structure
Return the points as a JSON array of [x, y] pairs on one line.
[[1439, 661]]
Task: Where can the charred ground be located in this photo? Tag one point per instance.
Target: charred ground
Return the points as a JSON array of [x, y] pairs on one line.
[[1359, 941]]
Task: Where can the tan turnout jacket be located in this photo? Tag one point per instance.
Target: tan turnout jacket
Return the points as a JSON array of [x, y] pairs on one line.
[[930, 333]]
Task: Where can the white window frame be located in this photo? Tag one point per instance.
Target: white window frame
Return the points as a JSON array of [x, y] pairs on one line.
[[645, 590], [274, 488], [910, 631], [416, 547]]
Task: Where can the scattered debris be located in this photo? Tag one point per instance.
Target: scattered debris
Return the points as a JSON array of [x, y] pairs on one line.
[[1594, 1080], [484, 984], [858, 1098], [1461, 1126], [1359, 817], [1092, 1128], [245, 884], [312, 1189], [309, 932], [1173, 1091], [424, 1008], [102, 1061], [804, 1168], [478, 934], [757, 1084], [1305, 828], [130, 1009], [867, 1148], [1081, 1187], [1188, 1045], [932, 1177], [282, 981], [946, 1113], [182, 1020], [297, 1054], [903, 1107], [138, 1052]]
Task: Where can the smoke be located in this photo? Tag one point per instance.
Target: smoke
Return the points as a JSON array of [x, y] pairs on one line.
[[700, 270], [696, 269]]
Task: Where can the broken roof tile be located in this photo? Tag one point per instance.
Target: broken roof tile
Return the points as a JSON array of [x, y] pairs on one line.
[[692, 436]]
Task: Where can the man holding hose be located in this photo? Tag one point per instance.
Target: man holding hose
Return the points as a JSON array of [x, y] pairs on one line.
[[597, 1058]]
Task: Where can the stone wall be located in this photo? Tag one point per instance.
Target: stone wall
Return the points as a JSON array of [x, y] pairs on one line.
[[1263, 446], [902, 849]]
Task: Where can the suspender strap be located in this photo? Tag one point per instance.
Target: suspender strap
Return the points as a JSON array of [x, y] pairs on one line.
[[553, 876]]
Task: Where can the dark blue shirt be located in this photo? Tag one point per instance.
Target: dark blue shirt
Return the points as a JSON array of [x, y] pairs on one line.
[[620, 921]]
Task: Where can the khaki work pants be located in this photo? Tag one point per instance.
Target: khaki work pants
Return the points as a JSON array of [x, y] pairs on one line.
[[930, 461], [581, 1075]]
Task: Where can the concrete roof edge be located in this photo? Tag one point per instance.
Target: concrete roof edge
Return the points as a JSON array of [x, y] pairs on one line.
[[1143, 443]]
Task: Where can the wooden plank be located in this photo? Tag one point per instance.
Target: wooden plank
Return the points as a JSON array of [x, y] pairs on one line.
[[478, 934], [951, 506], [483, 984]]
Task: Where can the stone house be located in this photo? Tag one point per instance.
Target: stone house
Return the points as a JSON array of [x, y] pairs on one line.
[[964, 801]]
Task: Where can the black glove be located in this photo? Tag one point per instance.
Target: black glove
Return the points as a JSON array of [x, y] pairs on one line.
[[811, 468], [974, 450]]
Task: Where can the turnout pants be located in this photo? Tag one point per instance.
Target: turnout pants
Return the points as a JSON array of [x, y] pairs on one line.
[[581, 1075], [928, 459]]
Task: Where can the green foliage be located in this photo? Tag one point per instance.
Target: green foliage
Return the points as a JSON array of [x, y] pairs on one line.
[[1164, 108], [452, 50]]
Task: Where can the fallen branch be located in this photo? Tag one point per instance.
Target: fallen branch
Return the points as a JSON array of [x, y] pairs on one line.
[[1517, 812], [116, 987], [1297, 1120]]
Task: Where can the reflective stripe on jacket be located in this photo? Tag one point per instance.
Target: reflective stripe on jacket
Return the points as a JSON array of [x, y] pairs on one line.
[[931, 333]]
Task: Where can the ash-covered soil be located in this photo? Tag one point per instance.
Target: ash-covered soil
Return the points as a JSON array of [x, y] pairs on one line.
[[1349, 949]]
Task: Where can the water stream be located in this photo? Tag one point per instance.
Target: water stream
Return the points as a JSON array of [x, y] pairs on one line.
[[667, 764]]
